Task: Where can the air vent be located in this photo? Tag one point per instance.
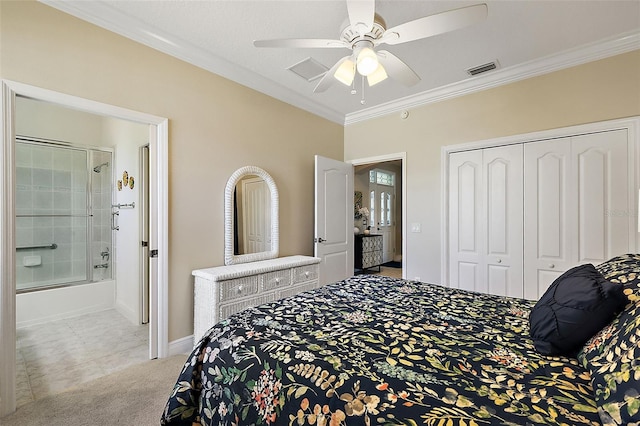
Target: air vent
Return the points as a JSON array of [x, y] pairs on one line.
[[309, 69], [483, 68]]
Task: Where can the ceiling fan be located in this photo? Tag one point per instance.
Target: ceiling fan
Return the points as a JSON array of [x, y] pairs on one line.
[[366, 30]]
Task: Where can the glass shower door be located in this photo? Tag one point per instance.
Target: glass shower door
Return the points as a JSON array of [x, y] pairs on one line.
[[63, 208]]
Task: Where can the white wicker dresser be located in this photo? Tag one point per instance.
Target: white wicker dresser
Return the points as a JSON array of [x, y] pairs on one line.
[[224, 290]]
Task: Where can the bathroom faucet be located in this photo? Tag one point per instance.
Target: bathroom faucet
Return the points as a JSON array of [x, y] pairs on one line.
[[105, 254]]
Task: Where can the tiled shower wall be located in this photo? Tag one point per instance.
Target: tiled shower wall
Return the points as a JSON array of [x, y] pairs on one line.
[[52, 187], [101, 195]]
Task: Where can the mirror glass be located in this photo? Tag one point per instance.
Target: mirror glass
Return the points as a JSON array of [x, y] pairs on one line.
[[251, 216]]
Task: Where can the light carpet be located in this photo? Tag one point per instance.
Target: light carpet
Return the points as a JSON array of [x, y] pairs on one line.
[[133, 396]]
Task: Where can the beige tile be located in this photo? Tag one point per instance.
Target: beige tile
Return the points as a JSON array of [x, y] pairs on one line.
[[55, 356], [59, 380], [38, 335], [390, 272], [23, 387], [119, 360]]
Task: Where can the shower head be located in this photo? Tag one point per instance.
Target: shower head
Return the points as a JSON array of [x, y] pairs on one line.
[[98, 168]]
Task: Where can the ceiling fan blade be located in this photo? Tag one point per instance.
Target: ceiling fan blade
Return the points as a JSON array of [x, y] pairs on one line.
[[396, 69], [361, 14], [301, 42], [435, 24], [328, 79]]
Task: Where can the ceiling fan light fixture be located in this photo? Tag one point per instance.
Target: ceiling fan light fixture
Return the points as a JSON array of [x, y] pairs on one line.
[[377, 76], [367, 61], [366, 30], [345, 72]]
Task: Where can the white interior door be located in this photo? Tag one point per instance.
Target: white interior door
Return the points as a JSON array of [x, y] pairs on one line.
[[549, 211], [502, 213], [485, 220], [256, 223], [144, 233], [603, 204], [333, 241], [382, 207], [466, 238], [577, 201]]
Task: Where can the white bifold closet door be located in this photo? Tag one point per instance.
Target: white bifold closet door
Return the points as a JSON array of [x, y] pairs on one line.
[[485, 217], [520, 215], [577, 205]]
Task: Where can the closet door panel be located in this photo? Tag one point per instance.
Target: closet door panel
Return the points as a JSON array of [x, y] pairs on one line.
[[500, 281], [502, 168], [548, 214], [466, 256], [468, 276], [602, 176], [592, 203], [551, 205]]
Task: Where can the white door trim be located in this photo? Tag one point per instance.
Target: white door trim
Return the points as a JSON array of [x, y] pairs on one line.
[[392, 157], [159, 185], [631, 124]]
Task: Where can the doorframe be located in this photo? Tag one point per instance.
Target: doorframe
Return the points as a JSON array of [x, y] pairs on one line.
[[631, 124], [144, 215], [377, 191], [402, 156], [158, 185]]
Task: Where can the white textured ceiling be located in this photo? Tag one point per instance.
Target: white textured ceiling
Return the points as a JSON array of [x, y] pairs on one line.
[[526, 37]]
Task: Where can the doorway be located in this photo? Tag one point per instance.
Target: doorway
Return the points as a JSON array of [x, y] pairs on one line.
[[157, 140], [382, 203], [381, 181]]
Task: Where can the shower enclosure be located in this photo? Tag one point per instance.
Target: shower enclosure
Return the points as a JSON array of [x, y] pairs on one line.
[[63, 215]]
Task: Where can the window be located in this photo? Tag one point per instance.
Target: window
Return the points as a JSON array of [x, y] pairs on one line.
[[381, 177], [372, 207], [381, 196]]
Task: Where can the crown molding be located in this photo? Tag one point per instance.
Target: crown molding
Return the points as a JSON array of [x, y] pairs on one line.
[[591, 52], [102, 15]]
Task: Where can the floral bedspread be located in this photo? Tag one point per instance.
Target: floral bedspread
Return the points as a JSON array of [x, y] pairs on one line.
[[379, 351]]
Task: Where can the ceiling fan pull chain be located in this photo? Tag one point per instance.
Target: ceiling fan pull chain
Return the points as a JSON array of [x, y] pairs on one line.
[[362, 101]]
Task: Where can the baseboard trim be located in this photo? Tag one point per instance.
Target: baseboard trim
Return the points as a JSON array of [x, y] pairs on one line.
[[127, 312], [181, 346]]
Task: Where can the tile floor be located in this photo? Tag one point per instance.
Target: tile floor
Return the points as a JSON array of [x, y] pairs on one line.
[[60, 354], [385, 271]]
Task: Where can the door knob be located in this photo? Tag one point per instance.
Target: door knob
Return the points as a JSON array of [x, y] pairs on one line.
[[552, 266], [499, 260], [319, 240]]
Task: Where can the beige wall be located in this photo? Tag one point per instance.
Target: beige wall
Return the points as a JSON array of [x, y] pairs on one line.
[[215, 127], [598, 91]]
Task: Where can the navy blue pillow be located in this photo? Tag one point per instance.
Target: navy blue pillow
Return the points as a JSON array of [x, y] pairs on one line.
[[577, 305]]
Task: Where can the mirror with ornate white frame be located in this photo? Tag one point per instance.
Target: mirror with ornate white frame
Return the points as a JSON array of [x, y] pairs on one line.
[[232, 206]]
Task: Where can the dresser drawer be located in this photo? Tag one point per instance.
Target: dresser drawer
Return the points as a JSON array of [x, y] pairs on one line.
[[239, 287], [305, 273], [292, 291], [229, 309], [276, 279]]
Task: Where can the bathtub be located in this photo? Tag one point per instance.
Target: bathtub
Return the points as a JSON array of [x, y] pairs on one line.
[[38, 307]]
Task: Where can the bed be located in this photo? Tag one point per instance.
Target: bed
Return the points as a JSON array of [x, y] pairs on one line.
[[374, 350]]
